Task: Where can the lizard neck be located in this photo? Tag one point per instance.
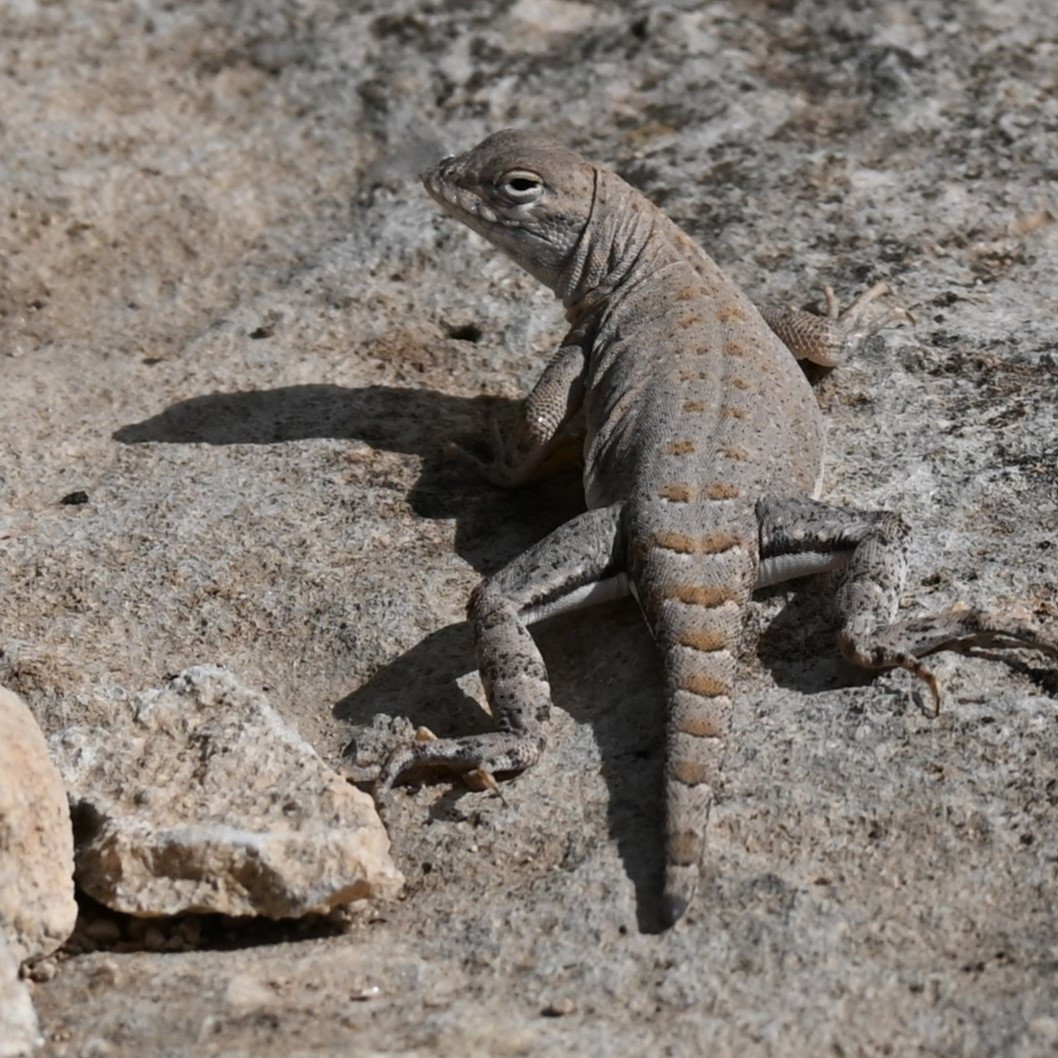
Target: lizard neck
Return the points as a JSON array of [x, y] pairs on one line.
[[617, 243]]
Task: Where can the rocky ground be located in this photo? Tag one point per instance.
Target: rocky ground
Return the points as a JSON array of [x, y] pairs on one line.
[[234, 338]]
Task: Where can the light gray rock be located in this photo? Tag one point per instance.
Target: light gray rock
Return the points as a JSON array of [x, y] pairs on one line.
[[19, 1032], [231, 316], [204, 800], [37, 908]]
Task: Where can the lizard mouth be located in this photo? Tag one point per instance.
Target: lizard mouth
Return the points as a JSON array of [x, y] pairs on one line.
[[451, 197]]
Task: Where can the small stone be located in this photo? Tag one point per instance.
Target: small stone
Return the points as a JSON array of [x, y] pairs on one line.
[[559, 1008], [365, 993], [37, 907], [42, 970], [203, 800]]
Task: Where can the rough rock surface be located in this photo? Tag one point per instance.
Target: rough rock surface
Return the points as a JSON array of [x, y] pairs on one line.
[[204, 800], [235, 336], [37, 908], [19, 1031]]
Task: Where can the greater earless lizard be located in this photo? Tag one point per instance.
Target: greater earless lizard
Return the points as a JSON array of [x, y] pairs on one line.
[[702, 448]]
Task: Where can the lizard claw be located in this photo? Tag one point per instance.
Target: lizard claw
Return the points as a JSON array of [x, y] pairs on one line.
[[926, 675], [853, 322], [453, 453], [482, 779], [831, 337], [496, 471]]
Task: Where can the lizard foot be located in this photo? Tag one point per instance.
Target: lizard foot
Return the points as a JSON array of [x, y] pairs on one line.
[[498, 470], [477, 758], [454, 453], [855, 324], [523, 453], [961, 629], [830, 338]]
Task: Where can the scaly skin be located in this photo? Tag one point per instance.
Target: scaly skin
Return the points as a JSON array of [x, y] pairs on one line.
[[702, 448]]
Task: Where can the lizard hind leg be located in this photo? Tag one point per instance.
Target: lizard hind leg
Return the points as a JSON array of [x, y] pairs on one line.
[[872, 546], [962, 629], [830, 339], [583, 552]]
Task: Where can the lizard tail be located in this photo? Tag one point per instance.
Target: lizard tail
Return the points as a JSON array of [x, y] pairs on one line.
[[699, 705], [694, 590]]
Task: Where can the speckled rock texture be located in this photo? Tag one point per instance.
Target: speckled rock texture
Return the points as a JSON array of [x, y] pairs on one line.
[[37, 908], [204, 800], [235, 336], [19, 1030]]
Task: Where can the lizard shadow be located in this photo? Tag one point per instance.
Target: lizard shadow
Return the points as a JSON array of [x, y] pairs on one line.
[[492, 524], [798, 647], [604, 673], [603, 668], [618, 698]]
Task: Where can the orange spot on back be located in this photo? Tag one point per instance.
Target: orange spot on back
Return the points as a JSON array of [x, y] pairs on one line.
[[704, 686], [679, 492], [738, 382], [735, 452], [680, 448], [694, 405], [717, 543], [721, 490], [698, 726], [690, 772], [678, 542], [698, 639], [734, 412], [699, 594], [733, 348], [685, 544], [684, 849], [731, 314]]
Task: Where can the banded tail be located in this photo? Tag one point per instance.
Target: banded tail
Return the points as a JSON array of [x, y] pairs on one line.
[[694, 579]]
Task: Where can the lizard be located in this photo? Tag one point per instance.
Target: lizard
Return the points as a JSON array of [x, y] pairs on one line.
[[702, 446]]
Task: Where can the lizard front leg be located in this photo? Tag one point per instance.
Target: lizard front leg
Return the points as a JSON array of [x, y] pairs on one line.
[[543, 437], [586, 551], [829, 340], [803, 536]]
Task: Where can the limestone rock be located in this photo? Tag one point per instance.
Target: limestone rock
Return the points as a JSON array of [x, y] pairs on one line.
[[19, 1033], [206, 800], [37, 908]]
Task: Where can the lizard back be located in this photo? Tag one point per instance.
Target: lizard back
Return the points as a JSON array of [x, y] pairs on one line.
[[693, 410], [686, 385]]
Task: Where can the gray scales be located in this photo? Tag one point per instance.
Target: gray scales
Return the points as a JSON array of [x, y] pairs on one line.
[[702, 447]]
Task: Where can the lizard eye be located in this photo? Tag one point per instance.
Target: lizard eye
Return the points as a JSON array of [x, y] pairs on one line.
[[521, 185]]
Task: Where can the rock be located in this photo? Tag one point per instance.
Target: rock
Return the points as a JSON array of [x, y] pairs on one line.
[[19, 1033], [205, 800], [37, 908]]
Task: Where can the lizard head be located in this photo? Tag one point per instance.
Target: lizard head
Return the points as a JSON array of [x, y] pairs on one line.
[[525, 193]]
